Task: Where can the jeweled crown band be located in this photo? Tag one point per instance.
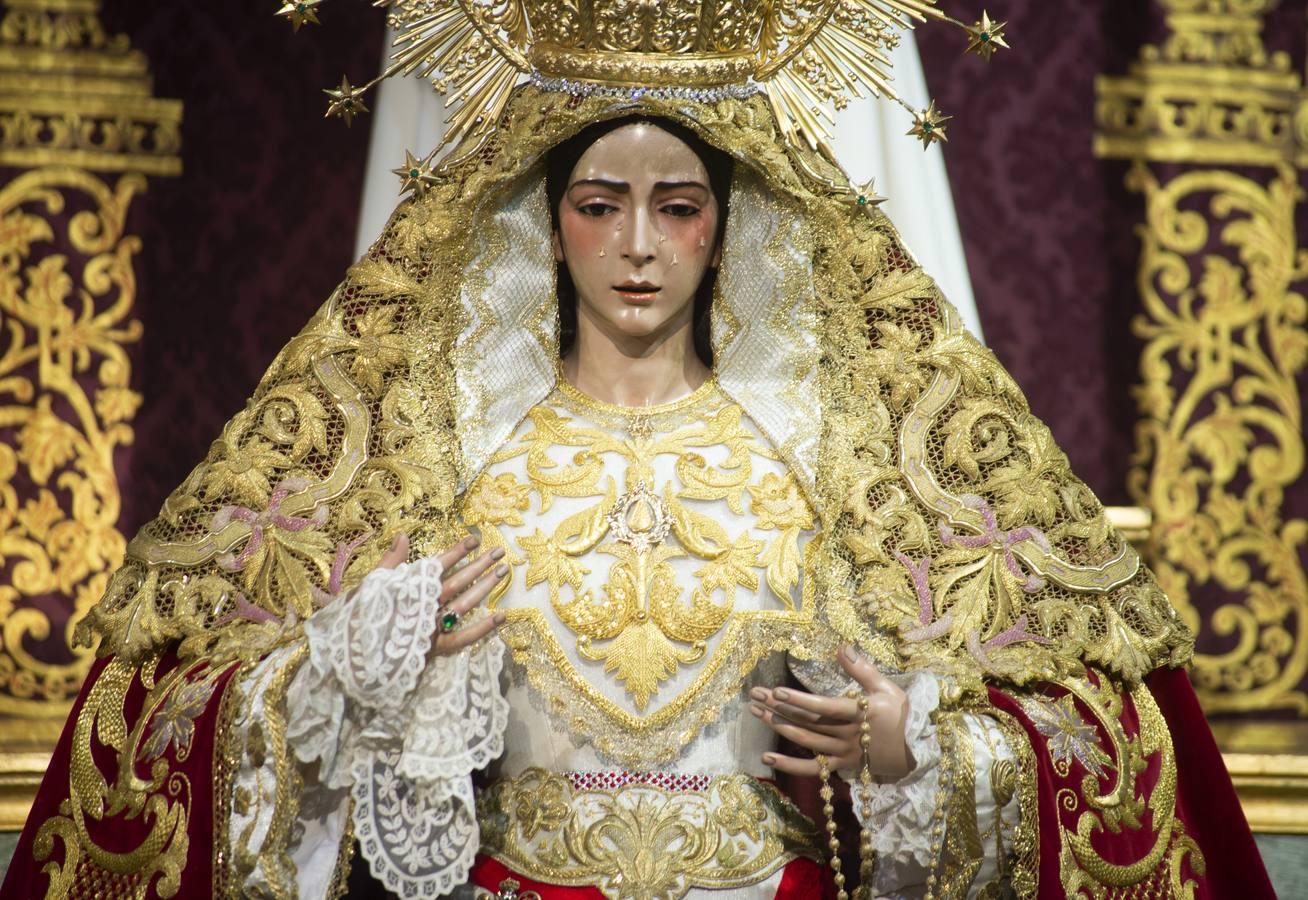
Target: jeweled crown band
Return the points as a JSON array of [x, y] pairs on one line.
[[579, 88], [643, 69], [807, 56]]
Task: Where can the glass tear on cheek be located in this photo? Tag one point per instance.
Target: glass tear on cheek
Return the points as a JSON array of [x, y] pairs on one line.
[[674, 259], [663, 238], [703, 241], [603, 252]]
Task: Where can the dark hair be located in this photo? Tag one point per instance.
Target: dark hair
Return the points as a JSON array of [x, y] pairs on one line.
[[560, 162]]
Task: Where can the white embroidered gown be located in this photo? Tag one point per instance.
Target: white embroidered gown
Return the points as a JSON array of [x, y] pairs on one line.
[[656, 575]]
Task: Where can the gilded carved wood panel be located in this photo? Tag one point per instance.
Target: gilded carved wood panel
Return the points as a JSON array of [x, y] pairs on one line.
[[1214, 126], [79, 132]]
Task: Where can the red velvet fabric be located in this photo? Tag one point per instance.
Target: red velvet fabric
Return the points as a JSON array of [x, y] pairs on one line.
[[1205, 796], [24, 878], [1205, 799], [123, 833], [491, 873]]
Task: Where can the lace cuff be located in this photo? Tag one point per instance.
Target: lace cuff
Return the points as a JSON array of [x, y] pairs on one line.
[[402, 733], [909, 819], [376, 644], [900, 811]]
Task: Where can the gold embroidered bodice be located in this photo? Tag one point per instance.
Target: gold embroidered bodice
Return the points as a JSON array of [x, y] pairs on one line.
[[656, 555]]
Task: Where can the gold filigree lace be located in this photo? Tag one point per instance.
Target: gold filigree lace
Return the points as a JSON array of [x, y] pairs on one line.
[[640, 841], [720, 497]]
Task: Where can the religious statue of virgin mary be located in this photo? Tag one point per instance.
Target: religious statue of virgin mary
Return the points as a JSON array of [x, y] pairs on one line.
[[635, 488]]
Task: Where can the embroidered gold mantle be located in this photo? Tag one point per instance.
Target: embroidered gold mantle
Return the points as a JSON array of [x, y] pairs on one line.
[[953, 534]]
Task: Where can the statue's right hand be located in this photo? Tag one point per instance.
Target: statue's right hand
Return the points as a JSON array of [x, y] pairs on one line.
[[462, 589]]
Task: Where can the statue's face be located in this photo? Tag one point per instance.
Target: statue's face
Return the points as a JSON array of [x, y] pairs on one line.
[[637, 229]]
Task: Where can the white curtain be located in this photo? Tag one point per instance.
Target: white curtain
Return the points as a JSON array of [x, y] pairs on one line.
[[870, 140]]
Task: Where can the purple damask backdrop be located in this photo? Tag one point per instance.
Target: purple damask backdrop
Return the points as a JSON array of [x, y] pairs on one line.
[[1048, 229], [241, 249]]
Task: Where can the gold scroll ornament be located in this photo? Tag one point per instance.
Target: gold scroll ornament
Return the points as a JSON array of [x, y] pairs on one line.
[[1220, 440], [74, 101]]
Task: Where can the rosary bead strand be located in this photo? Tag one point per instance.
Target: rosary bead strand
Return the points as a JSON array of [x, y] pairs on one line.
[[829, 811], [866, 858]]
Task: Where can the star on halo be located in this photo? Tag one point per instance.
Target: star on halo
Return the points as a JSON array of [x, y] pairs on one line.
[[987, 37], [415, 175], [345, 101], [865, 196], [929, 126], [300, 11]]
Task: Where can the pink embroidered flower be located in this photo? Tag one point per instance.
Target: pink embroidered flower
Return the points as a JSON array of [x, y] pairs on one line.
[[1000, 541], [273, 558], [1070, 736], [174, 724]]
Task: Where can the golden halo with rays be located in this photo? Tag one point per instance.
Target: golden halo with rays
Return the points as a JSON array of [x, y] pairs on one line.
[[806, 56]]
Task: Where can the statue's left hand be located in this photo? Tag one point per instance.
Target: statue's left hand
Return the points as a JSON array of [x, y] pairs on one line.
[[830, 725]]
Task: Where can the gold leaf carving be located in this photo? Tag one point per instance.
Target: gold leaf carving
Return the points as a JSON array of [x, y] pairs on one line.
[[1220, 440], [65, 395], [1223, 437]]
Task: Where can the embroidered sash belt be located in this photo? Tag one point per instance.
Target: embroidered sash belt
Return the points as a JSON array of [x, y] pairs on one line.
[[652, 837]]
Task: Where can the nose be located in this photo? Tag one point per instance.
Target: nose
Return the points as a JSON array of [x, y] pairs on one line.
[[642, 238]]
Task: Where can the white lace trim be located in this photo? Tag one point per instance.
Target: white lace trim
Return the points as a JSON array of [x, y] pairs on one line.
[[901, 810], [404, 734]]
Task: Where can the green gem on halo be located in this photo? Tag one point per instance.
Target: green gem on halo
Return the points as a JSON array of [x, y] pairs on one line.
[[862, 201], [414, 173], [985, 37]]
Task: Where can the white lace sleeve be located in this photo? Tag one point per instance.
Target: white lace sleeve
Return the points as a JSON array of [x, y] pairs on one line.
[[907, 818], [403, 734]]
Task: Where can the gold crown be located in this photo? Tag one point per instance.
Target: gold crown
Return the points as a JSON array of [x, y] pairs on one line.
[[803, 54]]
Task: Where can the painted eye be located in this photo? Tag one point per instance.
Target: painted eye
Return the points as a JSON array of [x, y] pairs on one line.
[[595, 209], [681, 210]]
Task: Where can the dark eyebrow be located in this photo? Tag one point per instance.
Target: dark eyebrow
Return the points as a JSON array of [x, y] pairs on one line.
[[679, 185], [622, 187]]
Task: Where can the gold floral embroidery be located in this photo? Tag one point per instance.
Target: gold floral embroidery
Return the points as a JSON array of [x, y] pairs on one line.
[[961, 853], [163, 799], [641, 842], [1024, 863], [497, 501], [889, 375], [891, 370], [779, 505], [379, 350], [1125, 805], [642, 621]]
